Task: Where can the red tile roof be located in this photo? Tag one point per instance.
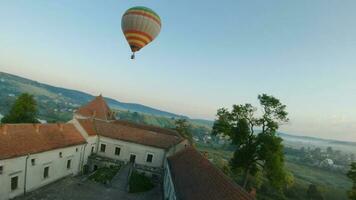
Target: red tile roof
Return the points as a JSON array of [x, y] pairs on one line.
[[97, 108], [88, 125], [195, 178], [147, 127], [131, 132], [22, 139]]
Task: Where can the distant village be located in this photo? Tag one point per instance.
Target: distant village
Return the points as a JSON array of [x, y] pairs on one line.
[[328, 158]]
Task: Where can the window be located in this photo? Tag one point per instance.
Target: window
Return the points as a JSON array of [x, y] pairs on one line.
[[60, 154], [1, 169], [149, 158], [46, 172], [117, 151], [69, 162], [76, 149], [102, 147], [92, 149], [132, 158], [33, 161], [14, 183]]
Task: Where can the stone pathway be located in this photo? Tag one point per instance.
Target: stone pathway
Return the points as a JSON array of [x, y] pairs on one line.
[[75, 188], [120, 181]]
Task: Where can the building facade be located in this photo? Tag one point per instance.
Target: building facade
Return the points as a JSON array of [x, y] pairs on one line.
[[29, 159], [33, 155]]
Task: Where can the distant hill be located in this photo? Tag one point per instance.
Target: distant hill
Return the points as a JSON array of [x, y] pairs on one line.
[[60, 101], [315, 139], [58, 104]]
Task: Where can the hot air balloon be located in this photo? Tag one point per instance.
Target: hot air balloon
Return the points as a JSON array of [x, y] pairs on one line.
[[141, 26]]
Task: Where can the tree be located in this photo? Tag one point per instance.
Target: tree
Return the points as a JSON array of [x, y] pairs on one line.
[[255, 150], [183, 128], [24, 110], [329, 151], [352, 175], [313, 193]]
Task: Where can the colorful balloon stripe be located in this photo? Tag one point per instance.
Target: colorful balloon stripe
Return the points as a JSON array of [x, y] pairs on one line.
[[141, 8], [134, 32], [140, 31], [145, 14], [131, 38]]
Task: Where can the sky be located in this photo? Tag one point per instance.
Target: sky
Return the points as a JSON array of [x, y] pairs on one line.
[[208, 55]]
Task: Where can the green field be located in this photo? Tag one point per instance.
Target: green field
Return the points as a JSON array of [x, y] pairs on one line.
[[333, 185]]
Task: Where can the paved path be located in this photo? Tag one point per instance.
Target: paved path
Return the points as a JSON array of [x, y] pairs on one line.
[[75, 188], [120, 181]]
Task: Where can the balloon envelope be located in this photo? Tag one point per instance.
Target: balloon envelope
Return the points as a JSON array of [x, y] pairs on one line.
[[141, 26]]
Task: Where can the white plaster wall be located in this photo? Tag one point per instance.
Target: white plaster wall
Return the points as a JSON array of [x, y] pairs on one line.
[[11, 167], [92, 141], [57, 169], [168, 186], [128, 148]]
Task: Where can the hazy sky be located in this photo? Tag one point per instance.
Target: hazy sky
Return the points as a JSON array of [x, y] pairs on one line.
[[209, 54]]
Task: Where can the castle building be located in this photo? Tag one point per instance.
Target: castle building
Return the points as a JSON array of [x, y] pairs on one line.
[[34, 155]]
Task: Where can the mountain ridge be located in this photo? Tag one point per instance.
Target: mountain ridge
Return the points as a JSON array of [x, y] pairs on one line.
[[310, 138], [77, 97], [55, 98]]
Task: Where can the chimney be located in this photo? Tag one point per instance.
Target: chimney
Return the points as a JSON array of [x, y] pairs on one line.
[[60, 126], [206, 154], [253, 192], [4, 129], [37, 127]]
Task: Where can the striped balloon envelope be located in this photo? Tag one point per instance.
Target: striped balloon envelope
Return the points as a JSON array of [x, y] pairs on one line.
[[141, 26]]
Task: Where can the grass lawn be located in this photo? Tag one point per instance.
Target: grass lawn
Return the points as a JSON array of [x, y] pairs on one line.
[[139, 183], [105, 174], [331, 184]]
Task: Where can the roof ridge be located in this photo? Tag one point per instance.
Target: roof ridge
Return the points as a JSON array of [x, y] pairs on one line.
[[103, 104], [147, 127], [96, 108]]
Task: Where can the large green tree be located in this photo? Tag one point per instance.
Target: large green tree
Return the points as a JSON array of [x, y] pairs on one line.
[[258, 148], [352, 175], [24, 110], [313, 193]]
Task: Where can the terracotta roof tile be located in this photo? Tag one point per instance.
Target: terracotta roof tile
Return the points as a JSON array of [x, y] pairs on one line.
[[88, 126], [22, 139], [130, 132], [97, 108], [147, 127], [195, 178]]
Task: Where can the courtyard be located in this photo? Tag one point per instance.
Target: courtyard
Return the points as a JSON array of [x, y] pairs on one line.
[[81, 188]]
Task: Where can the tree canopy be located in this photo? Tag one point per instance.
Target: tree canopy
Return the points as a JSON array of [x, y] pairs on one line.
[[258, 148], [313, 193], [24, 110]]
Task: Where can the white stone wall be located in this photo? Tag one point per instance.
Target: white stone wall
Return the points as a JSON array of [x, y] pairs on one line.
[[92, 141], [57, 169], [168, 186], [128, 148]]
